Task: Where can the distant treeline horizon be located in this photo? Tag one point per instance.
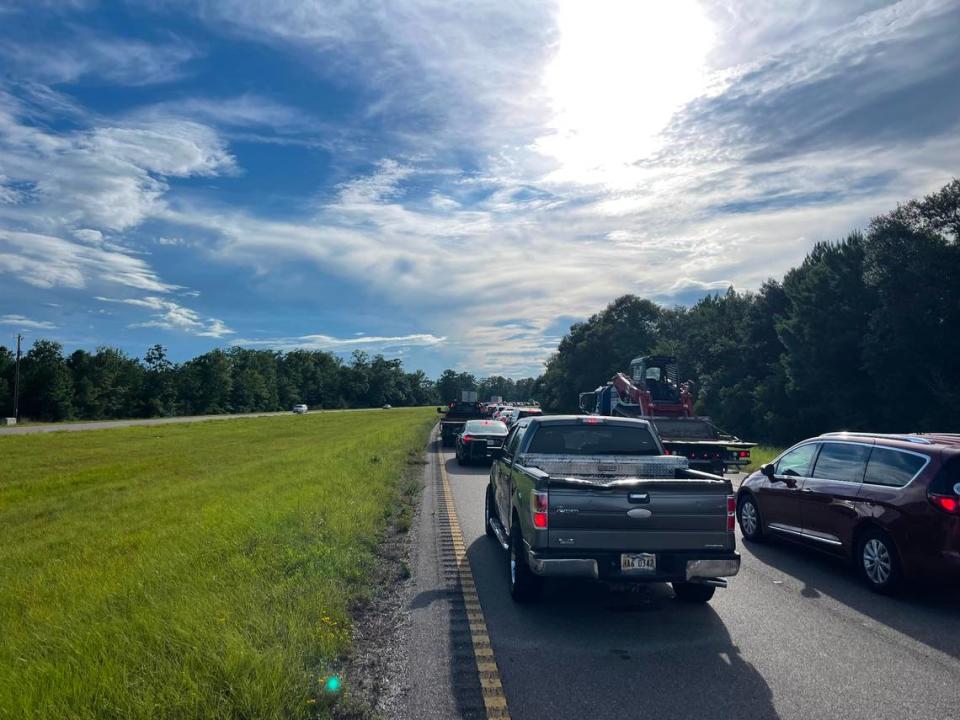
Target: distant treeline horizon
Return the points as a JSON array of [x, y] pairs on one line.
[[863, 334]]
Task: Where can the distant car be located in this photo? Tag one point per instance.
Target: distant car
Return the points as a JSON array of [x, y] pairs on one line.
[[387, 406], [518, 413], [889, 503], [300, 409], [478, 438]]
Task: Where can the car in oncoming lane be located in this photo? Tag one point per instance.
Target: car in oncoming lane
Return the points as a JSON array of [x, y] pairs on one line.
[[478, 438], [889, 503], [299, 409]]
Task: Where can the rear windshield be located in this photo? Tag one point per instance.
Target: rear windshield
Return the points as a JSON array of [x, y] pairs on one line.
[[485, 427], [948, 476], [593, 440], [528, 413]]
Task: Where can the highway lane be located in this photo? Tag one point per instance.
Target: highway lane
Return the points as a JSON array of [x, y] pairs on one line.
[[795, 636]]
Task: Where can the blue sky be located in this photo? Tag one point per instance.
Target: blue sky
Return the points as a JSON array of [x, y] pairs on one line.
[[449, 183]]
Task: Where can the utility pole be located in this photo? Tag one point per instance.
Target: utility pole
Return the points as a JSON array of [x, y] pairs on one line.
[[16, 382]]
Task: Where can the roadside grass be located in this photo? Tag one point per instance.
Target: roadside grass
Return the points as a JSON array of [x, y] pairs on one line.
[[193, 571], [761, 455]]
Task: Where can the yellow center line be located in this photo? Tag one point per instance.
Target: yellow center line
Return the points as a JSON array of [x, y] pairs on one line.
[[495, 702]]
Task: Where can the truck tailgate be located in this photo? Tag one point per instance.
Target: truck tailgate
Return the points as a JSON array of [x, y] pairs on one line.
[[676, 515]]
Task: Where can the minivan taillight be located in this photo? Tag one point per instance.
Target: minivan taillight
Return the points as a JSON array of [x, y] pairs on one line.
[[731, 512], [947, 503], [540, 507]]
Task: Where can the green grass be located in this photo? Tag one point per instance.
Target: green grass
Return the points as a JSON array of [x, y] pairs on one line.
[[761, 455], [191, 571]]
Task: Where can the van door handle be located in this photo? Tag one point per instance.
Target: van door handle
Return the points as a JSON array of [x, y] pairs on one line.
[[639, 497]]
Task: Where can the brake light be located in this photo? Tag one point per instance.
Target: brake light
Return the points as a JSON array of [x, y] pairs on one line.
[[744, 453], [467, 438], [591, 420], [540, 508], [731, 512], [946, 503]]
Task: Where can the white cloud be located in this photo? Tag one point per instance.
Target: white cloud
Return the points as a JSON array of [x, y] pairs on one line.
[[26, 323], [122, 61], [46, 261], [335, 344], [169, 315]]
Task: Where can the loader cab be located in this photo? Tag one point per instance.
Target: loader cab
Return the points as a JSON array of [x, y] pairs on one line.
[[660, 375]]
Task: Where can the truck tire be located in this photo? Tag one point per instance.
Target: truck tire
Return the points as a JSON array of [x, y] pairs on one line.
[[524, 585], [488, 511], [693, 592]]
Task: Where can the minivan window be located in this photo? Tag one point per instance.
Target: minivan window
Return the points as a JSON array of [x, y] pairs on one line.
[[797, 462], [593, 440], [892, 467], [842, 461]]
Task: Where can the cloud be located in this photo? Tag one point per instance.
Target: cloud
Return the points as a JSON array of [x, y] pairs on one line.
[[169, 315], [24, 323], [84, 55], [361, 342], [46, 261], [110, 176]]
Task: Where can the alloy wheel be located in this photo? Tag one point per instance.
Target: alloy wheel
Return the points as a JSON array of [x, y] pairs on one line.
[[877, 562], [748, 517]]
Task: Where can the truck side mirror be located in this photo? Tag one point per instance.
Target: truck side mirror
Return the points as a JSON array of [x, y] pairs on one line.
[[767, 470]]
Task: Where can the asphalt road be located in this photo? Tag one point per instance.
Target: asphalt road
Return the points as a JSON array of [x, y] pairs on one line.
[[795, 636]]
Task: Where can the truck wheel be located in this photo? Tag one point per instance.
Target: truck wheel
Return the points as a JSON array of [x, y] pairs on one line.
[[524, 585], [693, 592], [488, 512], [748, 515]]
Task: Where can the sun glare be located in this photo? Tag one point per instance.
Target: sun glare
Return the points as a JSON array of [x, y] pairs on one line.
[[621, 69]]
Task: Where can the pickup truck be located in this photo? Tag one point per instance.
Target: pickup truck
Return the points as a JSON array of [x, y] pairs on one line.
[[597, 498]]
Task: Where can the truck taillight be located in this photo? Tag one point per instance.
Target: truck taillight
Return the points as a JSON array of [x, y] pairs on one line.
[[466, 438], [540, 508], [744, 453], [731, 512]]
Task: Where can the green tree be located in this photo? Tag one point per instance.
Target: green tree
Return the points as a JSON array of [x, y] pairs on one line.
[[48, 388]]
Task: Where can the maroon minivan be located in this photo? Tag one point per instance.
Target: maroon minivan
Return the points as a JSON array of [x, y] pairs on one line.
[[890, 503]]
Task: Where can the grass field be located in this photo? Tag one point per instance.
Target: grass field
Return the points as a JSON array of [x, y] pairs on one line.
[[191, 571], [761, 455]]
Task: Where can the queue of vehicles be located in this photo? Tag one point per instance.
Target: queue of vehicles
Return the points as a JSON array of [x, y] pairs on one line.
[[602, 497]]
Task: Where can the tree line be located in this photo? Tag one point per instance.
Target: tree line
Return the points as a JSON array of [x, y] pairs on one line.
[[109, 384], [863, 334]]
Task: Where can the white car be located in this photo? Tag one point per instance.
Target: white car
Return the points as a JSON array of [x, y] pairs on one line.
[[299, 409]]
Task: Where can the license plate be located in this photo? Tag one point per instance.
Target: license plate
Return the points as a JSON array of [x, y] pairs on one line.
[[493, 443], [638, 562]]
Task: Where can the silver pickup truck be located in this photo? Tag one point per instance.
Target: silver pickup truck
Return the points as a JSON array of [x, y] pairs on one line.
[[596, 498]]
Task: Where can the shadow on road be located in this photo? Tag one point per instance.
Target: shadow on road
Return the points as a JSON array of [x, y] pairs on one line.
[[589, 650], [922, 612]]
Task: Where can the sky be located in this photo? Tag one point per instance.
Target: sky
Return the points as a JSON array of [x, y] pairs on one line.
[[452, 184]]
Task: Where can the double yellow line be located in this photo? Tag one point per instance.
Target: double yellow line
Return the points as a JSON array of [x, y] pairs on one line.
[[494, 700]]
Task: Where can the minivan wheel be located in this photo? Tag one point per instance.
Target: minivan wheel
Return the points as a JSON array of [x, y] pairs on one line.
[[693, 592], [877, 561], [524, 585], [748, 515], [488, 512]]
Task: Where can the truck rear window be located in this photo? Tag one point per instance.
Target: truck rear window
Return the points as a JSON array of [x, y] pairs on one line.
[[593, 440]]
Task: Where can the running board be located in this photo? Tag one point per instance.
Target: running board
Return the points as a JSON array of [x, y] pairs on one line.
[[499, 532], [715, 582]]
